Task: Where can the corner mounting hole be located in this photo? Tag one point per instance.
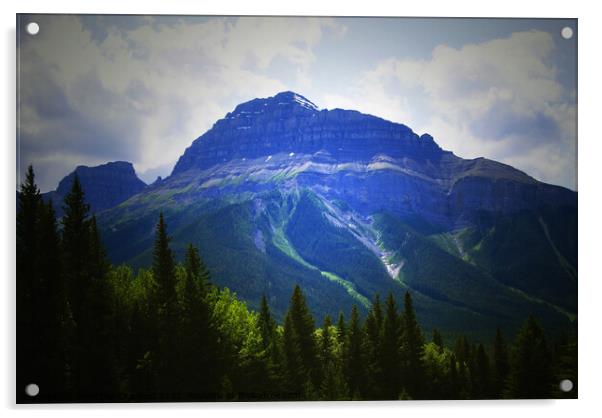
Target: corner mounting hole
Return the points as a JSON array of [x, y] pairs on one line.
[[567, 32], [566, 385], [32, 28], [32, 390]]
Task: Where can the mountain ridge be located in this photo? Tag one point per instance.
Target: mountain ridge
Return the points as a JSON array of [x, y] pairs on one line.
[[105, 185], [343, 202]]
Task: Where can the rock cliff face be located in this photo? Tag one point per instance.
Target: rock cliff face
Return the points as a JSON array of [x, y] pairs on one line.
[[371, 163], [105, 186], [289, 123]]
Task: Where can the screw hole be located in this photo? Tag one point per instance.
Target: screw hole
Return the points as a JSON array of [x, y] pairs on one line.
[[566, 32], [32, 28], [32, 390], [566, 385]]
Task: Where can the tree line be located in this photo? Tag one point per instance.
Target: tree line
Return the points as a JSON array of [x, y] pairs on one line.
[[88, 331]]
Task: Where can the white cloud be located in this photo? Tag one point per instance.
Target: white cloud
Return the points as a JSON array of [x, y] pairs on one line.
[[500, 99], [144, 93]]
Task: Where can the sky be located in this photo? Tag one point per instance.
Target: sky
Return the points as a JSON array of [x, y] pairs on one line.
[[99, 88]]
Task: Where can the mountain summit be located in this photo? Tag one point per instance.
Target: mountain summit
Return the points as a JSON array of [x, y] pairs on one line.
[[349, 205], [290, 123], [105, 185]]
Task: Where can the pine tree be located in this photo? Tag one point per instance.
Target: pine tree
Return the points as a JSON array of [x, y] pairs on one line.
[[302, 323], [390, 350], [270, 345], [334, 386], [462, 352], [197, 366], [501, 366], [54, 321], [325, 344], [354, 362], [530, 374], [411, 351], [76, 229], [372, 349], [76, 267], [97, 320], [296, 374], [267, 324], [167, 312], [480, 371], [164, 268], [452, 390]]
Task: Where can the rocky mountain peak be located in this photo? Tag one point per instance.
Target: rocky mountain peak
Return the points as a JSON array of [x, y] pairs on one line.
[[290, 123], [105, 185]]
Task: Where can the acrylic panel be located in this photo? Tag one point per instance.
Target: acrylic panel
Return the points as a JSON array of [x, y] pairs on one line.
[[246, 208]]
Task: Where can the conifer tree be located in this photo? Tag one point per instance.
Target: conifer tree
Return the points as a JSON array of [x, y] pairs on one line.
[[341, 328], [167, 312], [325, 344], [530, 374], [452, 390], [301, 321], [334, 386], [354, 362], [372, 349], [76, 267], [501, 365], [390, 350], [164, 268], [76, 246], [198, 362], [267, 324], [97, 322], [270, 344], [55, 325], [462, 353], [296, 375], [411, 351], [481, 385]]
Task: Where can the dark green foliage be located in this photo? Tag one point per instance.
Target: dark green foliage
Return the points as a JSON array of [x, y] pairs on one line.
[[454, 280], [75, 240], [300, 344], [531, 375], [95, 332], [391, 361], [334, 249], [43, 317], [481, 375], [565, 364], [164, 267], [197, 342], [89, 294], [341, 328], [354, 356], [437, 339], [501, 364], [411, 351], [535, 252], [372, 350]]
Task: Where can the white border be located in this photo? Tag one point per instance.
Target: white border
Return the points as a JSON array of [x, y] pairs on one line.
[[590, 210]]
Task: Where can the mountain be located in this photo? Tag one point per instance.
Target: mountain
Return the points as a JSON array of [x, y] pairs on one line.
[[105, 186], [348, 205]]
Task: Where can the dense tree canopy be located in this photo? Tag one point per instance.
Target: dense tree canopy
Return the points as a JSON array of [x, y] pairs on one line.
[[90, 331]]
